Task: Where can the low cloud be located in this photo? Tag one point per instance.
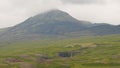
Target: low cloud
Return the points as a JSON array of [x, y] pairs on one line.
[[13, 12], [84, 1]]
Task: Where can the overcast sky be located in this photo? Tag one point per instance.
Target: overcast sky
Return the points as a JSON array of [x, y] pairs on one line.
[[13, 12]]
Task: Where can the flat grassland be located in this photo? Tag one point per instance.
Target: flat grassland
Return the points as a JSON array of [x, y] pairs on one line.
[[85, 52]]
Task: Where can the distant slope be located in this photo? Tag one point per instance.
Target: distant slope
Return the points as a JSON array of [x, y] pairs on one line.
[[103, 30], [2, 30], [98, 30]]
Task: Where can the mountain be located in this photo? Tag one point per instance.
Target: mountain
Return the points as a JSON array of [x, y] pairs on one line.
[[56, 23], [51, 22]]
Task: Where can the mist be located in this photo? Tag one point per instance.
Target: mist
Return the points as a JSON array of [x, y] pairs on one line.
[[97, 11]]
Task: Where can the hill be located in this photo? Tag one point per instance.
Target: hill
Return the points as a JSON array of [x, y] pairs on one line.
[[56, 23]]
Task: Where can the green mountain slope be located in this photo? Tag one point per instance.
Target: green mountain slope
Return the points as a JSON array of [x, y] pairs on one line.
[[56, 23]]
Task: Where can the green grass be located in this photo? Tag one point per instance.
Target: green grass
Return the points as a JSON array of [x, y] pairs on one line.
[[95, 52]]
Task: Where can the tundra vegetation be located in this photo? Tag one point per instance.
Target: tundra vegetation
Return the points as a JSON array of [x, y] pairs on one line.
[[83, 52]]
